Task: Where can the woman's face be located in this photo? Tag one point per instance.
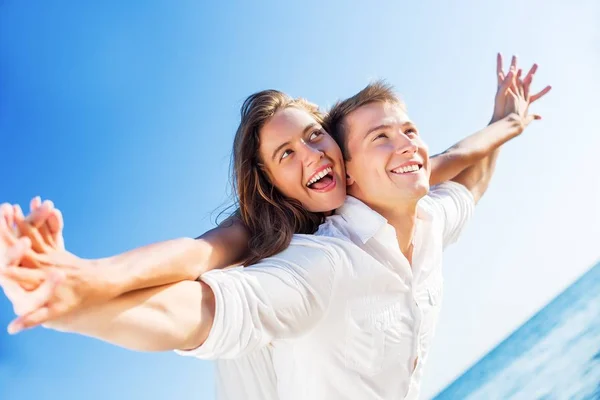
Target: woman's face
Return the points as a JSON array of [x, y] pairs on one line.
[[302, 160]]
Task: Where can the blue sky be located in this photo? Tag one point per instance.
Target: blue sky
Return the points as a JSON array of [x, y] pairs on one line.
[[123, 113]]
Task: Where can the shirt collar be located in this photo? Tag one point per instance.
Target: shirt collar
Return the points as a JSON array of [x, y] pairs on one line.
[[365, 221]]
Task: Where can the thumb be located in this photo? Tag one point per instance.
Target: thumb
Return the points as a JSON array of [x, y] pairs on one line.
[[530, 118], [31, 320]]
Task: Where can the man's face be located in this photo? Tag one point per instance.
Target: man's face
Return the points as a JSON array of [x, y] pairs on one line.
[[389, 163]]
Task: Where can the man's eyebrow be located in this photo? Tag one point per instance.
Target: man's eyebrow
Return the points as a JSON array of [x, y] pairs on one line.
[[378, 127], [309, 127]]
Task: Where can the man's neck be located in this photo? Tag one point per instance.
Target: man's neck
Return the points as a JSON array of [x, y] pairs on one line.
[[403, 218]]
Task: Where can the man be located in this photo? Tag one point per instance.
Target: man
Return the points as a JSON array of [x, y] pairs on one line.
[[334, 310]]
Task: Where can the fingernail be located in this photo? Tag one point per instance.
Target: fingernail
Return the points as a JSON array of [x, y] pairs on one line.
[[14, 328], [18, 211]]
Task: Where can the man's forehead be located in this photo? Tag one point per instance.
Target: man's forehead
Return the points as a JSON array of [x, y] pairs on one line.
[[375, 114]]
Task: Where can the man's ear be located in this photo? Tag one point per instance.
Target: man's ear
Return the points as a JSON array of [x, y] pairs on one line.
[[349, 180]]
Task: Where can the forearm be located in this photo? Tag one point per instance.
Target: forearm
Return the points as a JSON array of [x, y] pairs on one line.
[[477, 177], [473, 149], [177, 316], [175, 260]]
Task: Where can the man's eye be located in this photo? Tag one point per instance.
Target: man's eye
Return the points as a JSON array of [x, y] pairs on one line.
[[411, 131], [381, 135], [315, 135]]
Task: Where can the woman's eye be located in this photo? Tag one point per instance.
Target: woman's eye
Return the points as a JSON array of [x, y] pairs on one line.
[[285, 154], [411, 131], [381, 135]]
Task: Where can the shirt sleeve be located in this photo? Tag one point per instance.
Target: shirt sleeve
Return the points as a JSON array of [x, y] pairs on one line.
[[455, 205], [281, 297]]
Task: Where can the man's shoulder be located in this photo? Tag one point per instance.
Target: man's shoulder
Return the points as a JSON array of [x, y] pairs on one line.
[[449, 189], [306, 250], [439, 194]]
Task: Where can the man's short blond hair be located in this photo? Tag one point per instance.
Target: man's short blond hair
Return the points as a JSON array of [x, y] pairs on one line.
[[376, 92]]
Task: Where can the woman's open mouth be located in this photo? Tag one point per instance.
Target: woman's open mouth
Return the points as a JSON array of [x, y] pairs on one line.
[[323, 180]]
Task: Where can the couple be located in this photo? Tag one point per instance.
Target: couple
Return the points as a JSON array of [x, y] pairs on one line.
[[348, 312]]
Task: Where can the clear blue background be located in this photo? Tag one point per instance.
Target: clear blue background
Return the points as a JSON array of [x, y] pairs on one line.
[[123, 113]]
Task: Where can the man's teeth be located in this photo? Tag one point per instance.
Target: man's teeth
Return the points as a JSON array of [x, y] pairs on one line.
[[319, 176], [408, 168]]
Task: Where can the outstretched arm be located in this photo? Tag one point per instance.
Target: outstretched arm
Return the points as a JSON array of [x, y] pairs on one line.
[[163, 318], [473, 149], [513, 94], [284, 298], [92, 282], [176, 260], [472, 161]]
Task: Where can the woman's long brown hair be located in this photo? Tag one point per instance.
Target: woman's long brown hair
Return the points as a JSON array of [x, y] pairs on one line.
[[270, 217]]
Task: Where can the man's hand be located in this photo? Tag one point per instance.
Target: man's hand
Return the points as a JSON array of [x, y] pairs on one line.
[[513, 94]]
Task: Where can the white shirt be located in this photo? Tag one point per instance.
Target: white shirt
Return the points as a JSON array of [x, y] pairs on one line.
[[343, 313]]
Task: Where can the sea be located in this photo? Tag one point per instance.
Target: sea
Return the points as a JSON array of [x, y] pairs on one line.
[[554, 355]]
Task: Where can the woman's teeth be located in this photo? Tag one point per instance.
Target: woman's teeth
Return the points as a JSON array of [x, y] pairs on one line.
[[319, 176]]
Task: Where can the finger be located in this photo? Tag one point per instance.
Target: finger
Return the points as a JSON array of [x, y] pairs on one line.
[[35, 260], [27, 230], [499, 70], [7, 234], [8, 215], [506, 84], [529, 77], [530, 118], [18, 211], [56, 222], [35, 203], [7, 218], [28, 278], [41, 295], [12, 290], [518, 83], [31, 320], [521, 88], [16, 252], [46, 232], [513, 62], [56, 225], [540, 94], [39, 216]]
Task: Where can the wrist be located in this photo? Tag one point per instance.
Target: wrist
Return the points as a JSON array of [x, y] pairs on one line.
[[495, 118], [109, 280], [512, 122]]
